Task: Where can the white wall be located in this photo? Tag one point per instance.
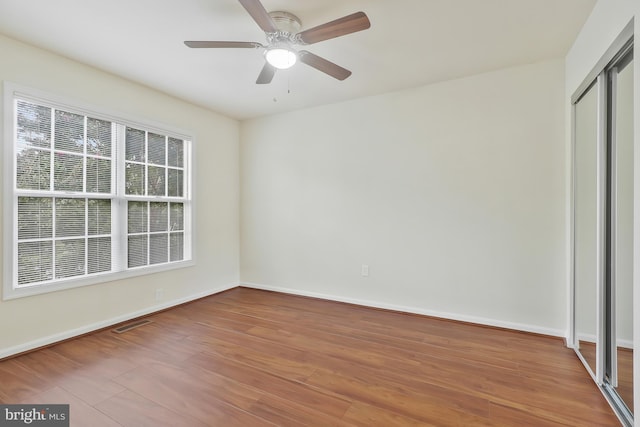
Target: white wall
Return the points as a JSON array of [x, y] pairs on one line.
[[607, 20], [453, 194], [37, 320]]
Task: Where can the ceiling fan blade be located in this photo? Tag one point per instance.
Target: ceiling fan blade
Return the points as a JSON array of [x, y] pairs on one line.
[[266, 75], [223, 44], [259, 14], [323, 65], [346, 25]]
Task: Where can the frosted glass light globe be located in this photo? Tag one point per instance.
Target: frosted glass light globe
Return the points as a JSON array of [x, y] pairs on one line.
[[281, 58]]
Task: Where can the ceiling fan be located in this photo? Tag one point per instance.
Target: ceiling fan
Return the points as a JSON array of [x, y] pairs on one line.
[[282, 32]]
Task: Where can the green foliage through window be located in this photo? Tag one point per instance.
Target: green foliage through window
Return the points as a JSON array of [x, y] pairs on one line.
[[66, 190]]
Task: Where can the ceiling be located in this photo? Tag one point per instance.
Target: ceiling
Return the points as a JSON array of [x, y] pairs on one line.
[[410, 43]]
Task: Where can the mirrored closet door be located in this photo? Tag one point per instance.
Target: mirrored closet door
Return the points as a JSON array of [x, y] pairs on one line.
[[587, 271], [619, 372], [603, 229]]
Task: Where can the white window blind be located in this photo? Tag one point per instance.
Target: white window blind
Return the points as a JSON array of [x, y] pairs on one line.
[[80, 210], [154, 167]]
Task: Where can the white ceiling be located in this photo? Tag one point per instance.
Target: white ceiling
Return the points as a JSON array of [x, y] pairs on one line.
[[410, 43]]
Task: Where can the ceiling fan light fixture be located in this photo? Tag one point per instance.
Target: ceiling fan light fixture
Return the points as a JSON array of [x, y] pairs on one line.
[[282, 31], [280, 57]]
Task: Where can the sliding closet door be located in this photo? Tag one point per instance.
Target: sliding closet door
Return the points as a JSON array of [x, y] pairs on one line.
[[586, 256], [603, 228], [620, 366]]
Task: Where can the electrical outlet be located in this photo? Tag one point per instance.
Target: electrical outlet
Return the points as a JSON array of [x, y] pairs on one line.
[[365, 270], [159, 294]]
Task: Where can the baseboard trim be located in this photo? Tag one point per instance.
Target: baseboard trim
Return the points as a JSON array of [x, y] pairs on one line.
[[414, 310], [52, 339], [591, 338]]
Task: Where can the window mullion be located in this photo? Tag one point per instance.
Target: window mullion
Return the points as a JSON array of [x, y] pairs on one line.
[[52, 154], [84, 155], [85, 173], [52, 187], [145, 191], [119, 247], [148, 232], [86, 235], [53, 238], [166, 194], [146, 164], [166, 166]]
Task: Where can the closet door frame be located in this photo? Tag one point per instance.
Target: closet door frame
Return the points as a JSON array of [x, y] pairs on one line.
[[596, 369], [605, 218]]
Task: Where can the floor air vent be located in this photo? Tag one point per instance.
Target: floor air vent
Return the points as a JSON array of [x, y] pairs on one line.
[[129, 326]]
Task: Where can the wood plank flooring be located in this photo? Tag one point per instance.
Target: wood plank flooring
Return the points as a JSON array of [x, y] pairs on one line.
[[254, 358]]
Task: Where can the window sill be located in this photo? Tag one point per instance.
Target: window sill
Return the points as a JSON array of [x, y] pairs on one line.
[[10, 293]]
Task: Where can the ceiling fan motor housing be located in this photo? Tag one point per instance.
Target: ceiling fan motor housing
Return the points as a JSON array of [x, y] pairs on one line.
[[286, 22], [288, 26]]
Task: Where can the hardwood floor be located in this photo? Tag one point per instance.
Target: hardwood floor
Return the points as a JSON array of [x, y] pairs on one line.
[[256, 358], [625, 376]]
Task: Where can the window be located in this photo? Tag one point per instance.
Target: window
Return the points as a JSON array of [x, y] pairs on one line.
[[90, 197], [154, 166]]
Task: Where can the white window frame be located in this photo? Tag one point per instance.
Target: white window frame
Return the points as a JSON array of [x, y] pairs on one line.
[[10, 289]]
